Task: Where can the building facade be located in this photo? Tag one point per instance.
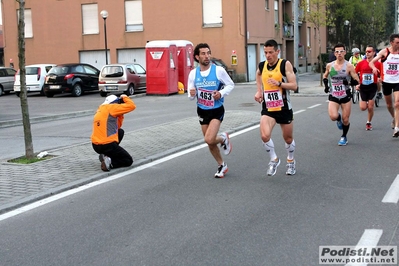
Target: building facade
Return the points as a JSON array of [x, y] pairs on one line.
[[67, 31]]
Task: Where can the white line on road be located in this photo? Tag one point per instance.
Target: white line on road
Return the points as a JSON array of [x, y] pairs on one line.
[[313, 106], [113, 177], [392, 195], [299, 111], [369, 238]]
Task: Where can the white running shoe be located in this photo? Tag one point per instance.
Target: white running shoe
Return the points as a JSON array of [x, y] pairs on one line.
[[291, 170], [222, 170], [226, 145], [395, 132], [105, 162], [273, 167]]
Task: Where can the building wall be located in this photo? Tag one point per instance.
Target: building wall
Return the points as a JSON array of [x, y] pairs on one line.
[[57, 29]]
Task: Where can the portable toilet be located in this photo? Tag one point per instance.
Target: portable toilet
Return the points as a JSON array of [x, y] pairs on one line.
[[185, 59], [162, 67]]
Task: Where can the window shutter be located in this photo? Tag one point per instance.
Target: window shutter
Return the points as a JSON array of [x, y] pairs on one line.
[[134, 15], [212, 11], [90, 17]]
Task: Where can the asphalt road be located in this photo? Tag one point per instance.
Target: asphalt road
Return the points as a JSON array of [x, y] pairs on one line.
[[175, 213]]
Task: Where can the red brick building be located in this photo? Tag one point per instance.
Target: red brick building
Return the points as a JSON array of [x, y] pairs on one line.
[[61, 31]]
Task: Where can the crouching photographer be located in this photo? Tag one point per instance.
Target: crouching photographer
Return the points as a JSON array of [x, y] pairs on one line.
[[107, 132]]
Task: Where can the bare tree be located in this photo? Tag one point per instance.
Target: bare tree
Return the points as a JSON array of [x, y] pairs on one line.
[[23, 95], [316, 12]]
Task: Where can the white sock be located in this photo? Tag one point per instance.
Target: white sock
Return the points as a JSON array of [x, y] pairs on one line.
[[269, 146], [290, 150]]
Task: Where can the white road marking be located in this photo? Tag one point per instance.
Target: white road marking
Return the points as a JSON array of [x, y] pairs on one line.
[[299, 111], [64, 194], [392, 195], [313, 106], [369, 238]]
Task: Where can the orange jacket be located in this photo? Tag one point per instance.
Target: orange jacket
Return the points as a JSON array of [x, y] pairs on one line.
[[108, 119]]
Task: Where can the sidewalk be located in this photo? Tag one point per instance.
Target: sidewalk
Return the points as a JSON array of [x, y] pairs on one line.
[[77, 165]]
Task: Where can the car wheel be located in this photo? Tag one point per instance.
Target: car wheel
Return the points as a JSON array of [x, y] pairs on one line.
[[103, 94], [77, 90], [17, 93], [49, 94], [1, 90], [130, 90], [42, 91]]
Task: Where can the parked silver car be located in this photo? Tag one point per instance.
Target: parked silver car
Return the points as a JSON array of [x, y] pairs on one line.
[[7, 76], [35, 77], [124, 78]]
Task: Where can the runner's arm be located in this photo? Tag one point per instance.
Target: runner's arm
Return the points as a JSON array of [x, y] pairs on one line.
[[190, 84], [259, 87], [325, 75], [352, 73], [379, 56], [224, 77], [291, 78]]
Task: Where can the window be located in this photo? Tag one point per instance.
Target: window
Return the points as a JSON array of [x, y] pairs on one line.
[[267, 4], [78, 69], [276, 18], [90, 17], [134, 15], [90, 70], [307, 5], [28, 23], [212, 12], [139, 69], [308, 37]]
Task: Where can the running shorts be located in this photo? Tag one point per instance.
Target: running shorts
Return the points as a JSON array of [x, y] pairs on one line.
[[205, 116], [367, 92], [284, 116], [346, 99], [387, 88]]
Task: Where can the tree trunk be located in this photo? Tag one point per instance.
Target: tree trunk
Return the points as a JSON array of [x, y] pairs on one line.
[[29, 153], [320, 60]]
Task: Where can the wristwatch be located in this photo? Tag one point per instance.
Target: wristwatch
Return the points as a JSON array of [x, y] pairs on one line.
[[279, 83]]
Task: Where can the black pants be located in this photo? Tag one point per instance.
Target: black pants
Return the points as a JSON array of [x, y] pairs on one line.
[[119, 156]]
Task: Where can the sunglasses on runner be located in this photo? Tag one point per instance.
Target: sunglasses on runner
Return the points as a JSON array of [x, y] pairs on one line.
[[339, 51]]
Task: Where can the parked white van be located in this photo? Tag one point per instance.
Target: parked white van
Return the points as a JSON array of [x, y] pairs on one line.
[[35, 77]]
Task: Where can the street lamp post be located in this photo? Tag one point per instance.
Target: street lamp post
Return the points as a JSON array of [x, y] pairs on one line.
[[347, 29], [104, 15]]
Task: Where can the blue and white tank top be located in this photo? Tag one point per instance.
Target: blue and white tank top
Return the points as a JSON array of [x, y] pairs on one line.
[[205, 87]]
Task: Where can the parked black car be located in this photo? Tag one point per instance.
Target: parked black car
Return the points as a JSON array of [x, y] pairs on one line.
[[71, 78]]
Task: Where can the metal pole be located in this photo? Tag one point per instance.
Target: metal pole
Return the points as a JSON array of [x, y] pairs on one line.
[[296, 38], [106, 48], [396, 16]]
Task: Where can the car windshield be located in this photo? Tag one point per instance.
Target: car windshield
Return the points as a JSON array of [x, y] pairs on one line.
[[59, 70], [112, 71]]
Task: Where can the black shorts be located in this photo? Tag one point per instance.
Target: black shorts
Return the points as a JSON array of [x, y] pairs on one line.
[[367, 92], [205, 116], [346, 99], [387, 88], [282, 117]]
